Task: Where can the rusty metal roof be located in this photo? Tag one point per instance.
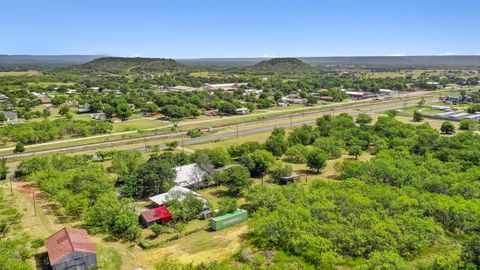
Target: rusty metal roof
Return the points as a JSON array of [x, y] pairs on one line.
[[66, 241]]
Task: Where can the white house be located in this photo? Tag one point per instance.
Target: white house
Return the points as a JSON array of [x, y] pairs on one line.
[[176, 193], [190, 175]]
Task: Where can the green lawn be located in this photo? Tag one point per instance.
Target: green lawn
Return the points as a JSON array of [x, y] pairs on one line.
[[137, 123], [19, 73]]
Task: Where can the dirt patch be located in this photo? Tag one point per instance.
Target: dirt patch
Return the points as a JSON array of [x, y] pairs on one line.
[[29, 189]]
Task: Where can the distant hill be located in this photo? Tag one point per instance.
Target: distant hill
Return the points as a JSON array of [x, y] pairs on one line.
[[47, 62], [438, 61], [281, 65], [41, 62], [126, 64], [380, 62]]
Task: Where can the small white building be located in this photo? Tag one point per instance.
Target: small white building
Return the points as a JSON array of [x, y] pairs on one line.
[[385, 91], [84, 108], [190, 175], [252, 91], [99, 116], [181, 88], [227, 87], [176, 193], [242, 111]]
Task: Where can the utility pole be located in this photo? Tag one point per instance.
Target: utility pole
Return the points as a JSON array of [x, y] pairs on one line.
[[306, 178], [262, 178], [34, 206], [183, 148], [237, 129]]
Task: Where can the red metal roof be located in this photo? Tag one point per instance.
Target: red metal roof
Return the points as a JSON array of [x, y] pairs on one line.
[[163, 213], [67, 241], [156, 214]]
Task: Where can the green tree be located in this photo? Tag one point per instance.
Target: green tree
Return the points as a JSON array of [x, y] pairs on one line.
[[111, 215], [355, 150], [279, 170], [185, 210], [19, 148], [218, 156], [330, 145], [228, 108], [158, 229], [422, 102], [64, 110], [316, 159], [364, 118], [37, 243], [417, 116], [384, 261], [156, 176], [471, 252], [236, 178], [392, 113], [258, 162], [3, 169], [447, 127], [468, 124], [311, 100], [227, 205], [124, 111], [126, 162], [171, 145], [276, 143], [297, 154], [46, 113]]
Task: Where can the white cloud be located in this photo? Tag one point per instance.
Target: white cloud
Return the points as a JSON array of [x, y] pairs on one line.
[[137, 55], [398, 54]]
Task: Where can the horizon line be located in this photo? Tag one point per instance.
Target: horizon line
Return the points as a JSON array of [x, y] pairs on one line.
[[249, 57]]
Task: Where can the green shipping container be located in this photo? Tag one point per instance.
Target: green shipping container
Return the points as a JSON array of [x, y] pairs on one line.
[[229, 219]]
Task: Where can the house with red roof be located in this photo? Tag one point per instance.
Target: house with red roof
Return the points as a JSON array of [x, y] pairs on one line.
[[159, 215], [71, 248]]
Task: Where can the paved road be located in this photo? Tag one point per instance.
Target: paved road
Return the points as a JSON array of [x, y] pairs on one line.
[[213, 137]]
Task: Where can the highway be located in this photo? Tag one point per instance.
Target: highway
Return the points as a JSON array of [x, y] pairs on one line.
[[219, 136]]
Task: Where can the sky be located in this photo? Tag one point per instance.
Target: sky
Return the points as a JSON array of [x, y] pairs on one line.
[[240, 28]]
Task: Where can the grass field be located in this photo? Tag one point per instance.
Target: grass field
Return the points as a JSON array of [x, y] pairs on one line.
[[138, 123], [20, 73], [46, 84], [203, 246]]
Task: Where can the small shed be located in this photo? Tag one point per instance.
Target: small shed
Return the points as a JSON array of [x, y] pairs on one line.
[[71, 248], [289, 179], [242, 111], [159, 215]]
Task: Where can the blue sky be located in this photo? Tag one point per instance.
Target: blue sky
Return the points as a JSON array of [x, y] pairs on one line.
[[240, 28]]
